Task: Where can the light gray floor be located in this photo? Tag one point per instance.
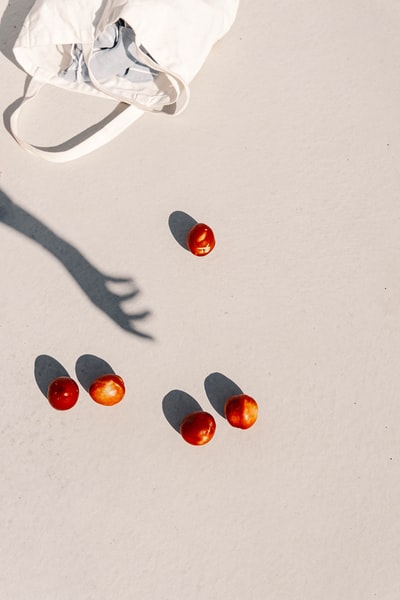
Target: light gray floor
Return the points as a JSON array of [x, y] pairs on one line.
[[289, 149]]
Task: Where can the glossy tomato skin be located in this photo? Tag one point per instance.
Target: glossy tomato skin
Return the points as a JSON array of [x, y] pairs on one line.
[[200, 239], [108, 389], [63, 393], [198, 428], [241, 411]]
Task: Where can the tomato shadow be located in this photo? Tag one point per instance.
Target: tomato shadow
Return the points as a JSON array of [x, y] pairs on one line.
[[180, 223], [89, 367], [47, 369], [176, 405], [219, 388]]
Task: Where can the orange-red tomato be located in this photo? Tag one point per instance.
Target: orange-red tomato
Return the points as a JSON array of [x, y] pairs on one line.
[[63, 393], [200, 239], [241, 411], [108, 389], [198, 428]]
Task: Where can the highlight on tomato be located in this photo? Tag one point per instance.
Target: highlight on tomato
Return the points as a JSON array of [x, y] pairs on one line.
[[200, 239], [241, 411], [63, 393], [198, 428], [108, 389]]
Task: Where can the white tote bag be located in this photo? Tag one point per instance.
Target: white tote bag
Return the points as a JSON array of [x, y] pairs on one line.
[[143, 53]]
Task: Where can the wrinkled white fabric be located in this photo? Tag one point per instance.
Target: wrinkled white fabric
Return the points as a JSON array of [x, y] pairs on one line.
[[140, 52], [115, 63]]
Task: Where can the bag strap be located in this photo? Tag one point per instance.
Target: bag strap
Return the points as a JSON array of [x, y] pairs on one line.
[[116, 125]]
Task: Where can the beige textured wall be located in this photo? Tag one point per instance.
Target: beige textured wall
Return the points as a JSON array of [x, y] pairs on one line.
[[290, 150]]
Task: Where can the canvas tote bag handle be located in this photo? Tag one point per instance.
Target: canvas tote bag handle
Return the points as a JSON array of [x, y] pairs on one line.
[[99, 138]]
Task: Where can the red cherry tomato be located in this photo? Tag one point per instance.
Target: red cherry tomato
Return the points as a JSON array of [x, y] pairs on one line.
[[198, 428], [241, 411], [108, 389], [63, 393], [200, 239]]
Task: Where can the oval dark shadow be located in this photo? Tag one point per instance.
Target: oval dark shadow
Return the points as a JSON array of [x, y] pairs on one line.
[[219, 388], [180, 223], [89, 367], [47, 369], [177, 405]]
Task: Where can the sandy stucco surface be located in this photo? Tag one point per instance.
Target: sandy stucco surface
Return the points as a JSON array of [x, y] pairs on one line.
[[290, 150]]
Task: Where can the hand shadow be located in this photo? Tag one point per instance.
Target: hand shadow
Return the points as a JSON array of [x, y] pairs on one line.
[[46, 370], [219, 388], [93, 282], [177, 405]]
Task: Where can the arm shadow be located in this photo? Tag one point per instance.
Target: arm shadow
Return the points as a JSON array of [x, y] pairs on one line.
[[94, 283]]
